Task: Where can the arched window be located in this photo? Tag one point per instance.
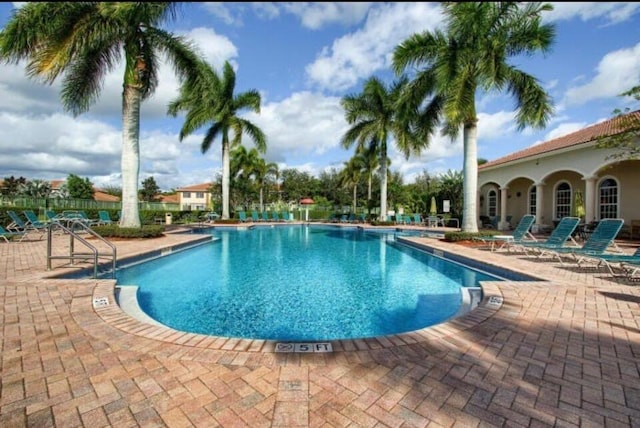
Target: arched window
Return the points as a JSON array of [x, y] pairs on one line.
[[532, 200], [563, 200], [608, 192], [492, 203]]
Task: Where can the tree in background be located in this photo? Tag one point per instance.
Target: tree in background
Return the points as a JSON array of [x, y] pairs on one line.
[[113, 191], [79, 188], [35, 188], [376, 115], [297, 185], [211, 100], [150, 190], [350, 177], [625, 141], [471, 54], [11, 185], [81, 42]]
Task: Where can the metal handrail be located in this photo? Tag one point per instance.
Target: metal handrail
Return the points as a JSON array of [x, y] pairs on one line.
[[73, 223]]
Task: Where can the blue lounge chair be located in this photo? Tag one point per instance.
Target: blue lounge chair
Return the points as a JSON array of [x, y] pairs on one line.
[[6, 235], [520, 234], [18, 225], [558, 238], [254, 216], [104, 217], [275, 216], [608, 260], [51, 215], [265, 216], [33, 220], [242, 216], [596, 245], [417, 220]]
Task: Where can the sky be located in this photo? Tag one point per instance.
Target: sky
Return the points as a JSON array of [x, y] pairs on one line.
[[303, 58]]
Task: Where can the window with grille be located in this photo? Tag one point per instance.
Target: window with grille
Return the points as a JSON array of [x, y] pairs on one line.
[[200, 195], [186, 194], [492, 203], [608, 191], [563, 200], [532, 200]]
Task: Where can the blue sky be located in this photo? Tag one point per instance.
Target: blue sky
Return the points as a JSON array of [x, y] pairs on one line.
[[303, 57]]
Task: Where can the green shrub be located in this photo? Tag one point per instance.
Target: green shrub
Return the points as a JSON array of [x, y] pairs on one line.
[[115, 231], [467, 236]]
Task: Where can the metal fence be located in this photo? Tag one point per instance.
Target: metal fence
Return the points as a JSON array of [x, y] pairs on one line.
[[79, 204]]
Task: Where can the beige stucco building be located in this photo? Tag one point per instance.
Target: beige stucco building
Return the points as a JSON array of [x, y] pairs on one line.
[[542, 180], [195, 197]]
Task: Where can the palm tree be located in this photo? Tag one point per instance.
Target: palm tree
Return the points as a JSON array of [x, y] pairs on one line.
[[350, 176], [371, 164], [469, 55], [35, 188], [262, 170], [83, 42], [210, 100], [376, 114]]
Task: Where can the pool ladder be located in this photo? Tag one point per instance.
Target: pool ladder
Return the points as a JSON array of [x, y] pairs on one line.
[[72, 228]]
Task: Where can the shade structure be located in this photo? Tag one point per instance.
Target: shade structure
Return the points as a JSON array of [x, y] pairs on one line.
[[307, 202]]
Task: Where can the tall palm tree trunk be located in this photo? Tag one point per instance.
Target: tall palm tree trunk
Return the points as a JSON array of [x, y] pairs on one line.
[[369, 188], [470, 179], [226, 165], [383, 183], [261, 198], [131, 101], [355, 195]]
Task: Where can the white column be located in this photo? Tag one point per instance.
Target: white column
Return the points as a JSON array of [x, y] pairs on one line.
[[539, 204], [590, 199], [503, 225]]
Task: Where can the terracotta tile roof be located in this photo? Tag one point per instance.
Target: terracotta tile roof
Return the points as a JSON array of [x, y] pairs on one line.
[[99, 195], [585, 135], [170, 199], [204, 187]]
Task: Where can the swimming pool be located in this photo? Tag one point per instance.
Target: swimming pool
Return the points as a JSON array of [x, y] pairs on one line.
[[300, 282]]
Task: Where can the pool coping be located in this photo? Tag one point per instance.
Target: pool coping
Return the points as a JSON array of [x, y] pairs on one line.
[[170, 342]]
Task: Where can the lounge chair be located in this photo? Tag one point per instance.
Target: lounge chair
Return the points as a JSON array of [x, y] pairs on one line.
[[520, 234], [558, 238], [255, 216], [417, 220], [596, 245], [608, 260], [51, 215], [242, 216], [33, 220], [18, 225], [104, 218], [265, 216], [6, 235], [275, 216]]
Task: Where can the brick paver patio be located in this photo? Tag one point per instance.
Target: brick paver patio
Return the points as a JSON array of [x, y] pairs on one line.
[[559, 352]]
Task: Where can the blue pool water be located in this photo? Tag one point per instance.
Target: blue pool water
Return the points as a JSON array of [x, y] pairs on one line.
[[300, 283]]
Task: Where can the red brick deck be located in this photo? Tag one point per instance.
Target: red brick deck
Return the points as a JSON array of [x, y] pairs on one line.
[[558, 353]]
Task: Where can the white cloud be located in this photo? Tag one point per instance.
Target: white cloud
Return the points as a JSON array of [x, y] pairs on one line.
[[360, 54], [304, 124], [315, 15], [223, 12], [612, 12], [617, 72]]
